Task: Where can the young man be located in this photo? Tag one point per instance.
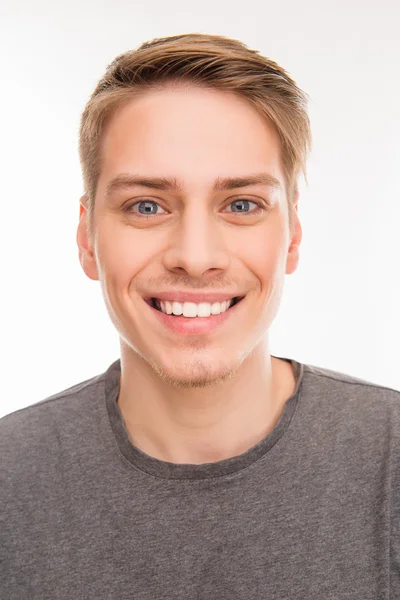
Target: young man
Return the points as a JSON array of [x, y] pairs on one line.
[[198, 465]]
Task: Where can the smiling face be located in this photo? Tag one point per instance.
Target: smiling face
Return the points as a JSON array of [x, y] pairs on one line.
[[192, 238]]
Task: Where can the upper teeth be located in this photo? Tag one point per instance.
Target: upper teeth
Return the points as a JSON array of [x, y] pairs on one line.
[[190, 309]]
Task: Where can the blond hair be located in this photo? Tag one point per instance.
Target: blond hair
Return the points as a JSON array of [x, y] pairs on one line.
[[209, 61]]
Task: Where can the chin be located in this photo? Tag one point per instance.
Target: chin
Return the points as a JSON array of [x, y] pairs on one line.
[[196, 373]]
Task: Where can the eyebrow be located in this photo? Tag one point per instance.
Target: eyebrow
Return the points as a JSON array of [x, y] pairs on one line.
[[126, 180]]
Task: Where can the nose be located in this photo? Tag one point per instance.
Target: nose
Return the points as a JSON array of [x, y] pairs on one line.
[[196, 245]]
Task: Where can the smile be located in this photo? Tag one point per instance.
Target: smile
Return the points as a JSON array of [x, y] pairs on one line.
[[178, 322], [193, 310]]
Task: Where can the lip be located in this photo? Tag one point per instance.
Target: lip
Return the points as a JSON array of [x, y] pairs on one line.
[[194, 325], [197, 298]]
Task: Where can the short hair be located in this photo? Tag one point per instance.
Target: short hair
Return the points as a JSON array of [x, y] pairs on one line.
[[208, 61]]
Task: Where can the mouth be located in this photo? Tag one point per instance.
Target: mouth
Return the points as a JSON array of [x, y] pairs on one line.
[[192, 325], [154, 303]]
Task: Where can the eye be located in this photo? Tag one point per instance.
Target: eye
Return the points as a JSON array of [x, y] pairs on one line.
[[148, 208], [243, 204]]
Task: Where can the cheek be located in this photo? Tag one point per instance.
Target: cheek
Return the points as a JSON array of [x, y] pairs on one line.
[[124, 253], [264, 253], [116, 253]]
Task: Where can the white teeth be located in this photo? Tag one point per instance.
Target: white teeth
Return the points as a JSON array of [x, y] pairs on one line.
[[190, 309]]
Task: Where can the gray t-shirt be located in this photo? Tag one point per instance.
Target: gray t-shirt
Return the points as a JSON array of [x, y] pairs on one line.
[[312, 512]]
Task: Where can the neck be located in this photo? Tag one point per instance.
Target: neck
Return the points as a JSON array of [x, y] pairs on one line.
[[197, 426]]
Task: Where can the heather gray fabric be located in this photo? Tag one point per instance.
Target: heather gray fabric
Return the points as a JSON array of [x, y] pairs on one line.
[[310, 513]]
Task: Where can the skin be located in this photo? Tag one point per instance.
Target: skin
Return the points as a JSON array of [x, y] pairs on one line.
[[204, 398]]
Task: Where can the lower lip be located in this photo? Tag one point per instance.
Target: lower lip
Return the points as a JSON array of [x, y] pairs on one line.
[[194, 325]]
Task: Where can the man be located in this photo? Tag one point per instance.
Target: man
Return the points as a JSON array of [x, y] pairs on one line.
[[198, 465]]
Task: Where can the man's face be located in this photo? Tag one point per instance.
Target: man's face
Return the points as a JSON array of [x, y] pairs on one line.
[[147, 240]]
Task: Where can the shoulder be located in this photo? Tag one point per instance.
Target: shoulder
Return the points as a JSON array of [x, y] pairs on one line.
[[30, 434], [351, 395], [328, 377], [56, 401]]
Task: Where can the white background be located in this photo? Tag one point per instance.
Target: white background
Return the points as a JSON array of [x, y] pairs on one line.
[[340, 309]]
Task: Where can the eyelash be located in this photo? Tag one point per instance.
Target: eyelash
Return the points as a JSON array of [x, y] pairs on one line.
[[261, 208]]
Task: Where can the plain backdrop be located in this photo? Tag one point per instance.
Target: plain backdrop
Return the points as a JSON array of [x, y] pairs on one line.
[[340, 309]]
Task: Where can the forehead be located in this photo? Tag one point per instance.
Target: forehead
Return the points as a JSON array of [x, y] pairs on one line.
[[193, 134]]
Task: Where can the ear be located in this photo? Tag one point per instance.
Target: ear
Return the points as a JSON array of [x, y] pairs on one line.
[[292, 260], [86, 252]]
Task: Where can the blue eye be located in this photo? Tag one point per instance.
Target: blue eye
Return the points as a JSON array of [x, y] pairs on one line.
[[148, 208], [243, 204]]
